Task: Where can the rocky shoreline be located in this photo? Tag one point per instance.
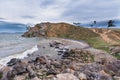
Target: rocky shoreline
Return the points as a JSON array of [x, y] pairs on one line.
[[63, 59]]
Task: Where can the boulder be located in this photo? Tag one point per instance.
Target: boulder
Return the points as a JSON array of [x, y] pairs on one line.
[[102, 75], [3, 73], [13, 62], [20, 68], [41, 60], [17, 69], [55, 44], [114, 68], [115, 50]]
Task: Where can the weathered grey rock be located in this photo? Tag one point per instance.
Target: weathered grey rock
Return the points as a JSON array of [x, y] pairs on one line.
[[31, 72], [91, 70], [55, 44], [4, 72], [102, 75], [114, 68], [115, 50], [17, 69], [20, 68], [56, 64]]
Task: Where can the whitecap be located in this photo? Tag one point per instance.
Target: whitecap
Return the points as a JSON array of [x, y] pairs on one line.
[[5, 60]]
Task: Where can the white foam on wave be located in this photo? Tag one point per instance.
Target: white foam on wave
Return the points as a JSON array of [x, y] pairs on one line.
[[5, 60]]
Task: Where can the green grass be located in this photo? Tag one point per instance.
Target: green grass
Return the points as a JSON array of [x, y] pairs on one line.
[[98, 43], [117, 55], [1, 75]]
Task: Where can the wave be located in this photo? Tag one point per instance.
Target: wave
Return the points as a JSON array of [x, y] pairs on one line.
[[5, 60]]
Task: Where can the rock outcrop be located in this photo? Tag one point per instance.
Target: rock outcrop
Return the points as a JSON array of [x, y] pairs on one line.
[[74, 64]]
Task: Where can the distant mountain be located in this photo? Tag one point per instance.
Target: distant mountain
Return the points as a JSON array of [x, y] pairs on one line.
[[101, 24], [10, 27]]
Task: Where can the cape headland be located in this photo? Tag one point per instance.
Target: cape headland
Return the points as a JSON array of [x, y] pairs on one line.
[[68, 53]]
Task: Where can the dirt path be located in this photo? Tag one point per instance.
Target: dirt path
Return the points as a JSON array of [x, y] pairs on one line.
[[104, 34]]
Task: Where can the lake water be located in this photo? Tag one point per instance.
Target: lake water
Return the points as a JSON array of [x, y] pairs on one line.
[[13, 44]]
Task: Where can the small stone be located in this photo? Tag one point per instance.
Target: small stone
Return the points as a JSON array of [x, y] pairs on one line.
[[66, 76], [116, 77], [50, 76], [51, 72], [56, 64], [35, 78], [68, 70]]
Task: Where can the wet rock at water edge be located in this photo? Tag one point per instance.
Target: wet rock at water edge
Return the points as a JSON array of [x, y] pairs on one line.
[[13, 62]]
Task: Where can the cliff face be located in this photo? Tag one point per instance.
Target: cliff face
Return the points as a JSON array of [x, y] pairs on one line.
[[62, 30]]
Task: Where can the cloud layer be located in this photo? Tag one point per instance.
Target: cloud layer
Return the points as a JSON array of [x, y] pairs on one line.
[[34, 11]]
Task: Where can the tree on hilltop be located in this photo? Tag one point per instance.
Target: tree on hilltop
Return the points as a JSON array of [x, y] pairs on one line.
[[94, 22], [110, 24], [28, 27]]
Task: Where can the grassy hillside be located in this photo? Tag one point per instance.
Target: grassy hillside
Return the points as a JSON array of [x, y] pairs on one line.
[[65, 30]]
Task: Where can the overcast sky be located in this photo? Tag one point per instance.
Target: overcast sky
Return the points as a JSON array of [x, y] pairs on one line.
[[36, 11]]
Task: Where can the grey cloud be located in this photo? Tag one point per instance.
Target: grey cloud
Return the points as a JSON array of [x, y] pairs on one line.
[[59, 10], [2, 18], [28, 17], [94, 9]]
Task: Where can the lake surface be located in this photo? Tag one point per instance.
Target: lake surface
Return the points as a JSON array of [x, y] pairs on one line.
[[13, 43]]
